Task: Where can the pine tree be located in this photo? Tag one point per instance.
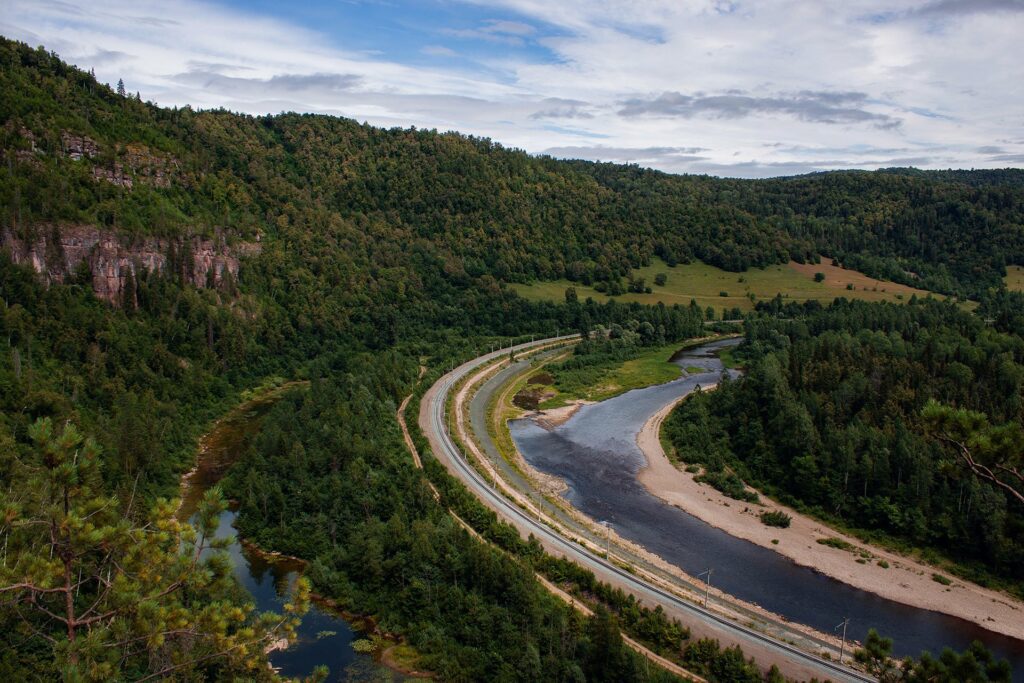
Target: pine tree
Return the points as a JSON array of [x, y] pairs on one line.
[[112, 598], [120, 87]]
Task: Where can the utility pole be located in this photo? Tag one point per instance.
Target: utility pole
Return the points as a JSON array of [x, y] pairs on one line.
[[842, 647], [707, 586]]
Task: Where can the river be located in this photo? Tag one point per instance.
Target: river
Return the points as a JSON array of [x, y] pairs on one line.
[[324, 638], [596, 454]]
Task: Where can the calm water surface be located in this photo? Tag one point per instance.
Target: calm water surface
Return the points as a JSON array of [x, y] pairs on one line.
[[596, 454], [324, 639]]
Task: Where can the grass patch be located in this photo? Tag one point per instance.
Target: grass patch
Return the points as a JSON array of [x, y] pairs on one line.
[[607, 377], [939, 578], [1014, 278], [711, 286], [404, 657], [883, 564], [776, 518], [833, 542], [728, 358]]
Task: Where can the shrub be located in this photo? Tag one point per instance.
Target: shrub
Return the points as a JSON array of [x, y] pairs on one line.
[[776, 518], [939, 578], [833, 542], [729, 484], [819, 277]]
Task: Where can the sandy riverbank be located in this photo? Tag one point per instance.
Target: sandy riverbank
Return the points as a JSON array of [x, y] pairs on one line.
[[554, 417], [906, 580]]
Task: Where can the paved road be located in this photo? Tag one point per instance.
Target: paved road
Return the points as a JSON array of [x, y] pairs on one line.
[[434, 425]]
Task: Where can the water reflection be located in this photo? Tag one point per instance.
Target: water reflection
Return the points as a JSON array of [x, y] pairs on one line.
[[324, 639]]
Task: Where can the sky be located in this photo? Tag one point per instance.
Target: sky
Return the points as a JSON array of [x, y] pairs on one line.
[[740, 88]]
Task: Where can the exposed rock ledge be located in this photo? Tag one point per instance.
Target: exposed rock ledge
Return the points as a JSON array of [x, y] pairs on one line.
[[57, 252]]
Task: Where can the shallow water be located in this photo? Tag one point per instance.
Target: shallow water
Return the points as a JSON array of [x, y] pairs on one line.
[[596, 454], [323, 638]]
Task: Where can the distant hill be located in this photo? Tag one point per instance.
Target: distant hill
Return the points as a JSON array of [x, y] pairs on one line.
[[419, 204], [974, 178]]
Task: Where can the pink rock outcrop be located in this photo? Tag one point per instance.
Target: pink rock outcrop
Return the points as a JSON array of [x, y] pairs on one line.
[[56, 252]]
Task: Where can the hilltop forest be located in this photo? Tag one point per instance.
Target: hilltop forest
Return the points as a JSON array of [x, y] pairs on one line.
[[363, 252]]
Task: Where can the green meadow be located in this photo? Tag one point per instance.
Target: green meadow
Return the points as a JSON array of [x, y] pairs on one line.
[[711, 286]]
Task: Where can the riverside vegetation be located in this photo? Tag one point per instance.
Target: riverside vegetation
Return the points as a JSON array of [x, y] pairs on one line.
[[376, 247], [833, 416]]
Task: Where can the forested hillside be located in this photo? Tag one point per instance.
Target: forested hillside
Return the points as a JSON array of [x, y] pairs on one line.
[[464, 206], [360, 253]]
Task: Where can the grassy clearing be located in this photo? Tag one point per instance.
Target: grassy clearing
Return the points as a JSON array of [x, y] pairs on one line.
[[707, 284], [1014, 278], [605, 380]]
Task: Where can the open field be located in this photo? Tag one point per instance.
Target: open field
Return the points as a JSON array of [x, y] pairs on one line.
[[707, 284], [1014, 278]]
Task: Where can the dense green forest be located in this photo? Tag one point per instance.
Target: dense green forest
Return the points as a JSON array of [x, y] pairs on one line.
[[380, 248], [829, 417], [465, 208]]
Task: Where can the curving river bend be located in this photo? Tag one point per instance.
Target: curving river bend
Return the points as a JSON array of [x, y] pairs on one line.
[[596, 454]]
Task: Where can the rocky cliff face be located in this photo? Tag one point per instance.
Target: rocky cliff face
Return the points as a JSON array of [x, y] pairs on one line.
[[132, 163], [56, 252], [123, 164]]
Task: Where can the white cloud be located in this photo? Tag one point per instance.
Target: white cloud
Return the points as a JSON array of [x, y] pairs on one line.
[[762, 88], [438, 51]]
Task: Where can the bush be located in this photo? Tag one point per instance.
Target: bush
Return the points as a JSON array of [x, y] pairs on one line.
[[819, 277], [836, 543], [939, 578], [776, 518], [729, 484]]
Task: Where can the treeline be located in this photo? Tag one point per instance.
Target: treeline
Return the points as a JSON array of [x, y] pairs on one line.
[[404, 205], [828, 417], [975, 664]]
